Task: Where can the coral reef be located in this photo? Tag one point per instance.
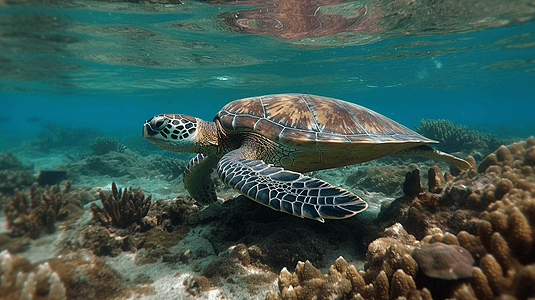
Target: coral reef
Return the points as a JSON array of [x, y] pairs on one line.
[[143, 227], [389, 253], [343, 281], [122, 207], [102, 145], [488, 214], [39, 209], [454, 138]]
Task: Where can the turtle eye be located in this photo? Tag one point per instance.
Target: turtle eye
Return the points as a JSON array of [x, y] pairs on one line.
[[158, 122]]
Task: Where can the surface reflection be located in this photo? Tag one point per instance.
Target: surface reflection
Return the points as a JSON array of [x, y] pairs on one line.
[[363, 21], [294, 19], [128, 45]]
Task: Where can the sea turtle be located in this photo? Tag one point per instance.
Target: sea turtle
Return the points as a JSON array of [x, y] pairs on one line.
[[262, 145]]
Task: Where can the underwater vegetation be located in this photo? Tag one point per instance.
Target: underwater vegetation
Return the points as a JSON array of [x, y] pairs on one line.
[[102, 145], [455, 138]]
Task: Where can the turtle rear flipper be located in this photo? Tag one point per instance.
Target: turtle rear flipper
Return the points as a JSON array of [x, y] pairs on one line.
[[434, 154], [287, 191], [197, 179]]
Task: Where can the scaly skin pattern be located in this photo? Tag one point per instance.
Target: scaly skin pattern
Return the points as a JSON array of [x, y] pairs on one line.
[[287, 191]]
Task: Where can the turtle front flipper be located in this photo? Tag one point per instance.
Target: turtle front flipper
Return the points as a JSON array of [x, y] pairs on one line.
[[287, 191], [197, 179]]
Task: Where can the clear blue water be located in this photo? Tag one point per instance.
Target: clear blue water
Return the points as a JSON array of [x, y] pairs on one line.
[[110, 66], [107, 66]]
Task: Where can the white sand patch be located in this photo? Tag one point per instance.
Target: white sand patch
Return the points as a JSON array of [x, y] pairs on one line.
[[157, 187]]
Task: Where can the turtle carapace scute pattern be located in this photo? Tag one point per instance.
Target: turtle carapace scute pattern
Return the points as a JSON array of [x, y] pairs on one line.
[[260, 147]]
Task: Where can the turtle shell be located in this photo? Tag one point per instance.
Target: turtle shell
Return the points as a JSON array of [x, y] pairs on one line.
[[313, 125]]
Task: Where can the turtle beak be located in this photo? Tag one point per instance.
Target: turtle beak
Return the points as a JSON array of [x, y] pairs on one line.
[[147, 130]]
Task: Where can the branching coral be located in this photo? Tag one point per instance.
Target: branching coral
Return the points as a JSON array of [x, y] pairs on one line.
[[455, 138], [103, 145], [39, 209], [122, 207]]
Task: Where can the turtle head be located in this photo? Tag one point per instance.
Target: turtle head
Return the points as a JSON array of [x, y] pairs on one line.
[[172, 132]]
